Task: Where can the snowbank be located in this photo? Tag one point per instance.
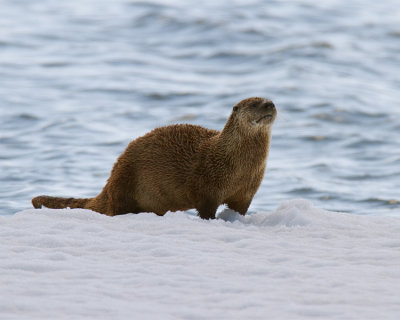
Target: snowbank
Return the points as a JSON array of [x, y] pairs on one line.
[[298, 262]]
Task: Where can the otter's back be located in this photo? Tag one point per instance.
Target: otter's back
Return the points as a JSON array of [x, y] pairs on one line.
[[174, 144], [163, 162]]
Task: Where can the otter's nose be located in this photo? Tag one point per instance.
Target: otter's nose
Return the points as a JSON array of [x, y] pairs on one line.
[[268, 104]]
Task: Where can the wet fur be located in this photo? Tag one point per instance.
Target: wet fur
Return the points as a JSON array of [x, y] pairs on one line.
[[181, 167]]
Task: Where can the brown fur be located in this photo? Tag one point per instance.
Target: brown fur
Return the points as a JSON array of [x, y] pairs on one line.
[[181, 167]]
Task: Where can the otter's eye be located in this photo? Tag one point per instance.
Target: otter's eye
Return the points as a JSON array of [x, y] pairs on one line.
[[235, 108]]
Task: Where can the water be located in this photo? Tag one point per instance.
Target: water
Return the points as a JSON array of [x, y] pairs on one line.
[[80, 79]]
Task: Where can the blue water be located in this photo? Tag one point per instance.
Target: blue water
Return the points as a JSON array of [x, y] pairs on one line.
[[79, 79]]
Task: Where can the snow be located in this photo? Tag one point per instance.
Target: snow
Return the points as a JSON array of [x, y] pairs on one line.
[[298, 262]]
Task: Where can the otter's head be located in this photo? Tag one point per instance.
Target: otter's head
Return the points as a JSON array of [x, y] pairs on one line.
[[255, 112]]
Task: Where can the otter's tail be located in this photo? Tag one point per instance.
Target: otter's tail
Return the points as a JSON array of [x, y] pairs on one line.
[[58, 203]]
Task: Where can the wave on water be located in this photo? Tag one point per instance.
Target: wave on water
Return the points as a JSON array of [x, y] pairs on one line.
[[81, 81]]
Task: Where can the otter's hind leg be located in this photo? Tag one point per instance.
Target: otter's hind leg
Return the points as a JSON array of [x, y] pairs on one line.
[[123, 207], [118, 202]]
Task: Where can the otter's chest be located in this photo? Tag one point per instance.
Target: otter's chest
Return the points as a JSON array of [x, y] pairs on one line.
[[246, 179]]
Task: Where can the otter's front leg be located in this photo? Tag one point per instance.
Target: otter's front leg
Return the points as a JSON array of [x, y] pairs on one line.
[[207, 209], [239, 206]]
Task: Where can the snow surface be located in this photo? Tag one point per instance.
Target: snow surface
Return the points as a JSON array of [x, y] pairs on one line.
[[298, 262]]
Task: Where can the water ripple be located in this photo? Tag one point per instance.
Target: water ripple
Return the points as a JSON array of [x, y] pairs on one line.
[[79, 81]]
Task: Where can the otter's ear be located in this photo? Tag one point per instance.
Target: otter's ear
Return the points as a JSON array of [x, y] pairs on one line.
[[235, 109]]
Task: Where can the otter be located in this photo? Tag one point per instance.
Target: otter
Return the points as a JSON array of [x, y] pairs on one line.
[[182, 167]]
